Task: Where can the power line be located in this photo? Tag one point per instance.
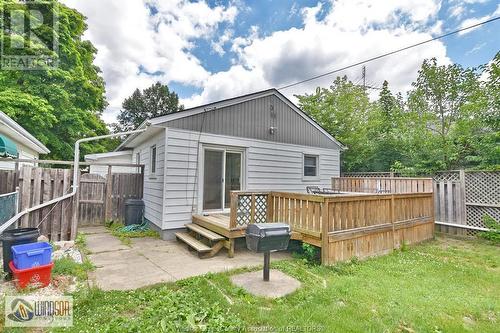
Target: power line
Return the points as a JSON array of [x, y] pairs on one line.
[[390, 53]]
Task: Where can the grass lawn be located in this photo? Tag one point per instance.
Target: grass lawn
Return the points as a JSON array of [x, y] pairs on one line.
[[441, 286]]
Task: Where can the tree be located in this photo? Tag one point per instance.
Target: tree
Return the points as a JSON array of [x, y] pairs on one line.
[[152, 102], [343, 111], [57, 105], [441, 99]]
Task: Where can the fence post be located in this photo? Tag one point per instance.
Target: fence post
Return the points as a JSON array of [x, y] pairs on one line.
[[324, 232], [252, 208], [107, 197], [463, 200], [393, 218], [233, 210], [76, 209], [270, 207]]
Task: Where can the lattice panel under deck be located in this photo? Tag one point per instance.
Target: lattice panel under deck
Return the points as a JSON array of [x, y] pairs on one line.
[[243, 216]]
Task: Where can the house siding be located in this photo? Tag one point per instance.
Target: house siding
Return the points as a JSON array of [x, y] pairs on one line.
[[253, 118], [153, 184], [268, 165]]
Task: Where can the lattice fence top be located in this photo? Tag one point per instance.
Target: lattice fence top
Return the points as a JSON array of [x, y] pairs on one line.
[[370, 174], [482, 187], [447, 176]]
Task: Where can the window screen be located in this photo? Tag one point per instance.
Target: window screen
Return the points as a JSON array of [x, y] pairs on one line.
[[310, 166]]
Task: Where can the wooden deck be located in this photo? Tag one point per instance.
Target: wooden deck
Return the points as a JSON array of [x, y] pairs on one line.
[[343, 226], [219, 223]]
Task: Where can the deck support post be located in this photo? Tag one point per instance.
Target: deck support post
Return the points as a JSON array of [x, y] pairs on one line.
[[230, 250]]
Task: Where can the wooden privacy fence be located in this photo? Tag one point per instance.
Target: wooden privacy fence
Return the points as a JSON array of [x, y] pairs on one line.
[[103, 199], [344, 225], [98, 198], [461, 198], [382, 184]]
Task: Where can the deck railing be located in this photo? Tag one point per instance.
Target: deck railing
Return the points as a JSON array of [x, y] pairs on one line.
[[354, 225], [382, 184]]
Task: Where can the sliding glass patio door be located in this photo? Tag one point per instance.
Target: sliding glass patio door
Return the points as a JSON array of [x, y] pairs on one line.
[[222, 171]]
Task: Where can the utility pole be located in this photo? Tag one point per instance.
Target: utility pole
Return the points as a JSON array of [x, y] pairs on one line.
[[363, 75]]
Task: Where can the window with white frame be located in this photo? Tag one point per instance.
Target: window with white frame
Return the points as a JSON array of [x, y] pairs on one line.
[[152, 160], [311, 166]]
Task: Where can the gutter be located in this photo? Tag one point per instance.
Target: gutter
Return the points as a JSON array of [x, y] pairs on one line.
[[75, 178]]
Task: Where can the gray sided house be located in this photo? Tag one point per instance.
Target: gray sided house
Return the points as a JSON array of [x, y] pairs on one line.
[[258, 142]]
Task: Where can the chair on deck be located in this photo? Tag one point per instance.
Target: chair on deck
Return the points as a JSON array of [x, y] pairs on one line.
[[313, 189]]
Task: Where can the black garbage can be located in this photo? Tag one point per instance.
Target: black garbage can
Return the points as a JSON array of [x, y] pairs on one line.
[[134, 210], [16, 237]]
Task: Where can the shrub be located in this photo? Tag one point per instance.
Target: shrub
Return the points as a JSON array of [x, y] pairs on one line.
[[494, 233], [67, 266], [309, 253]]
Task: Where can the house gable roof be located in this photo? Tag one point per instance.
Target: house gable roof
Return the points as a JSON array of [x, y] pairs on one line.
[[164, 121]]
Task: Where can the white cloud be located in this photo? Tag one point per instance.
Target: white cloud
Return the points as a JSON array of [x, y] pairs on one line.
[[476, 48], [476, 20], [456, 11], [336, 41], [128, 38], [218, 46]]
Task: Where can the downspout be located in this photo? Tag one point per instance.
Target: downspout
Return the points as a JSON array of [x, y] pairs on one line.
[[75, 177]]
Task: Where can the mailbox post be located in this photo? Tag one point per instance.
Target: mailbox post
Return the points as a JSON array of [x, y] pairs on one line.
[[266, 238]]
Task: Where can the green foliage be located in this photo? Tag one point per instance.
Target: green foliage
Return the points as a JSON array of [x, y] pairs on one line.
[[450, 119], [184, 307], [423, 289], [342, 110], [494, 233], [58, 106], [310, 253], [116, 229], [67, 266], [152, 102]]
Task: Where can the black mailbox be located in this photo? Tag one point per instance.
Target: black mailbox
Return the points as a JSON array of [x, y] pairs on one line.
[[267, 237]]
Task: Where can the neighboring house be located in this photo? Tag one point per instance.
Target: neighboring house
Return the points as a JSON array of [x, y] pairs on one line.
[[115, 157], [16, 142], [257, 142]]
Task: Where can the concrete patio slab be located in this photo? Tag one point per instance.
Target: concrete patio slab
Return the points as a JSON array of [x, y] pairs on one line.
[[149, 261], [104, 242], [279, 283]]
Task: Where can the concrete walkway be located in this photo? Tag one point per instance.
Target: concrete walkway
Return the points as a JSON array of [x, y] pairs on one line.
[[149, 261]]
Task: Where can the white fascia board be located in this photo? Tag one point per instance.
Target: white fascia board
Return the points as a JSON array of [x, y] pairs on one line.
[[29, 139]]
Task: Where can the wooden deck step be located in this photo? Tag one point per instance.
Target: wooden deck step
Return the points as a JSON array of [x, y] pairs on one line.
[[193, 242], [210, 235]]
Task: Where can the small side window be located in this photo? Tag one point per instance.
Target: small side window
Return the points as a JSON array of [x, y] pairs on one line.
[[310, 166], [152, 160]]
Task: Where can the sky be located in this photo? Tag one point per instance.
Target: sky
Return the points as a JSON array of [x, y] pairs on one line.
[[209, 50]]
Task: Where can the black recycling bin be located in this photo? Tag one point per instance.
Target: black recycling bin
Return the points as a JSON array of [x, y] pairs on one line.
[[266, 238], [134, 210], [16, 237]]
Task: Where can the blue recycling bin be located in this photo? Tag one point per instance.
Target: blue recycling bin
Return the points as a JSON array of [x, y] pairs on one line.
[[31, 255]]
